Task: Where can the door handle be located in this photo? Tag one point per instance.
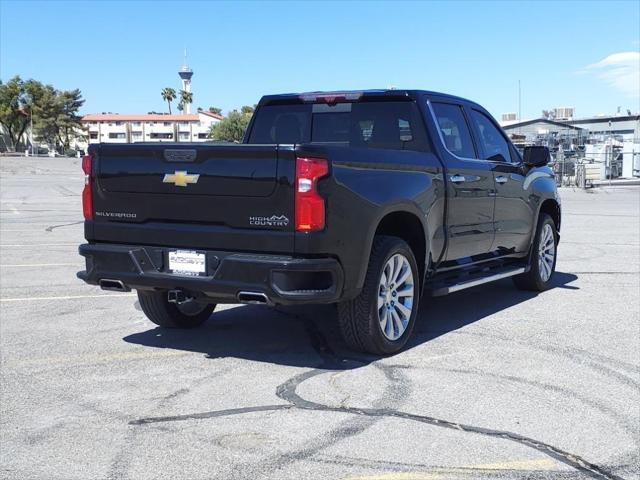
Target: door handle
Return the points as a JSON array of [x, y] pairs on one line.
[[502, 179], [457, 179]]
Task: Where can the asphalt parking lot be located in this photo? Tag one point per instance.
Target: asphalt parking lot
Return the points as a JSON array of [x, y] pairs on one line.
[[497, 383]]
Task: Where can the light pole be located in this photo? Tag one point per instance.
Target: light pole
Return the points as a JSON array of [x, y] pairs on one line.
[[33, 152], [609, 157]]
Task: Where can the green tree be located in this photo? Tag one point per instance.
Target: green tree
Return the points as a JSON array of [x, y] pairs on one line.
[[216, 110], [54, 113], [68, 103], [232, 128], [56, 120], [42, 103], [168, 95], [247, 110], [14, 113], [185, 98]]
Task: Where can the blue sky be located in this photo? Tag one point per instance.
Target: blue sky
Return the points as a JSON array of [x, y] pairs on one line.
[[121, 54]]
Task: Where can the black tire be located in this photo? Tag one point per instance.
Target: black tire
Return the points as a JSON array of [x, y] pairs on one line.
[[533, 280], [157, 308], [359, 318]]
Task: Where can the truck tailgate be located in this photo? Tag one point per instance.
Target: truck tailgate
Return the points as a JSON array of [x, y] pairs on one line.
[[194, 195]]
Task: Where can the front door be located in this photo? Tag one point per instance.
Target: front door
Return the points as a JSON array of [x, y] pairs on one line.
[[470, 185], [513, 215]]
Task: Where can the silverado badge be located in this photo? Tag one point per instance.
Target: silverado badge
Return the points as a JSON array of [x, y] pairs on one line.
[[181, 178]]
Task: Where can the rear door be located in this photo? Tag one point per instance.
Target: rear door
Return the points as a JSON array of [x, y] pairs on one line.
[[513, 215], [470, 184]]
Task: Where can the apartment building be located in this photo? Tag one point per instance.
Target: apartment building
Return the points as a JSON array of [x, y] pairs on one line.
[[153, 127]]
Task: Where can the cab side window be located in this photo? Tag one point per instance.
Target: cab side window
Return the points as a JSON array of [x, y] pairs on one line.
[[454, 129], [493, 143]]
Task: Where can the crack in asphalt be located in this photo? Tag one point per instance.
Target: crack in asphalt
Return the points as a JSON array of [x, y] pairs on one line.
[[287, 391], [119, 464], [212, 414], [66, 192], [596, 362], [51, 227], [345, 429], [622, 421]]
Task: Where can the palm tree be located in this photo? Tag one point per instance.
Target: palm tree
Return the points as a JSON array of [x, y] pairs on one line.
[[168, 95], [185, 98]]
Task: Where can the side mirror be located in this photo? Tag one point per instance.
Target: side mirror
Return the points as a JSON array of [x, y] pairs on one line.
[[535, 156]]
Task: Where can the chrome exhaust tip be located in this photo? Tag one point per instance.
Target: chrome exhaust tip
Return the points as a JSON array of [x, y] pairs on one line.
[[113, 285], [254, 298]]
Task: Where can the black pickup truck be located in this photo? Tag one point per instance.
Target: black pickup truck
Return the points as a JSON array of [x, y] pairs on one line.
[[363, 199]]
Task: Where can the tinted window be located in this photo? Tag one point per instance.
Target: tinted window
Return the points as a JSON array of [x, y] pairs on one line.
[[331, 127], [385, 125], [494, 145], [454, 128], [281, 124]]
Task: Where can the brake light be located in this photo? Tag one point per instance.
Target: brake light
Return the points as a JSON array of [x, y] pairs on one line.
[[331, 97], [87, 200], [310, 208]]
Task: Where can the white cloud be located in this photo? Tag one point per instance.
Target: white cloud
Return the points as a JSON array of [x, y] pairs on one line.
[[621, 71]]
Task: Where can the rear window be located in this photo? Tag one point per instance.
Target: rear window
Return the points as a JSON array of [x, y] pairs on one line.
[[385, 125]]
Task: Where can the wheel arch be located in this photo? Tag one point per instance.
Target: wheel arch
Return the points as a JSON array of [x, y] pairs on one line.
[[408, 226], [552, 208]]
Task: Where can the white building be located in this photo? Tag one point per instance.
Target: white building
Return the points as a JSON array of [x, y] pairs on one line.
[[608, 140], [154, 127], [627, 127], [538, 126]]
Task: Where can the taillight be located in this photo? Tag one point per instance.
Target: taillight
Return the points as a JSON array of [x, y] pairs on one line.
[[310, 210], [87, 201]]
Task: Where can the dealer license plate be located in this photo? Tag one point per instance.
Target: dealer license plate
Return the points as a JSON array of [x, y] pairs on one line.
[[187, 262]]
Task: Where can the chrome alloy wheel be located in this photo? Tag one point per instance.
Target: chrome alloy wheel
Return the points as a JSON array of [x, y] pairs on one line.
[[546, 252], [395, 296]]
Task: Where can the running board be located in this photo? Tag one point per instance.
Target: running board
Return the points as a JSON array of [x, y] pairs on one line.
[[476, 281]]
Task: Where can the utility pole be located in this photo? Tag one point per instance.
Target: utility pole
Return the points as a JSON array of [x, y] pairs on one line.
[[519, 102], [519, 106]]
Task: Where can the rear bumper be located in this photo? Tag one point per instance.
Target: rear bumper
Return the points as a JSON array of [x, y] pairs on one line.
[[283, 279]]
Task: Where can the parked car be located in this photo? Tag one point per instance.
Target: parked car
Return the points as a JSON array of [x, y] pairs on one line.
[[367, 200]]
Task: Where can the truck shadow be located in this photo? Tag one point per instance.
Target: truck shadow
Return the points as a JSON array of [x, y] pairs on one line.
[[299, 336]]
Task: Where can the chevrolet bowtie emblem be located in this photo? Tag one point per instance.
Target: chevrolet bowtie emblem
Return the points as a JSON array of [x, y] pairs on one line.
[[181, 178]]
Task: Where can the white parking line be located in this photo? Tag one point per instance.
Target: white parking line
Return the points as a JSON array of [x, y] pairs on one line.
[[89, 359], [69, 297], [25, 223], [39, 245], [42, 265]]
